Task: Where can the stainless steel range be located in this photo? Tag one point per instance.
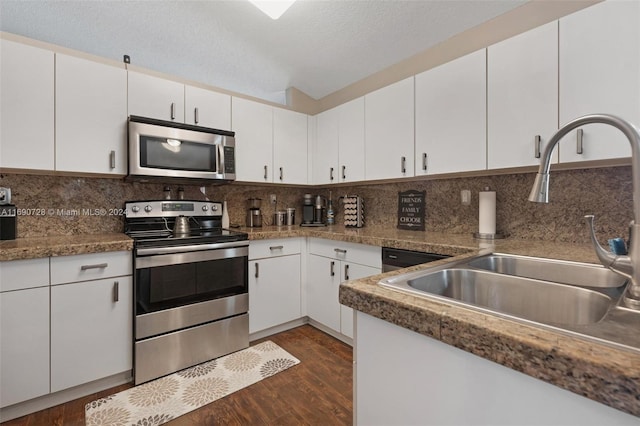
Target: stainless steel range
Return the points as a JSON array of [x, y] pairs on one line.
[[191, 285]]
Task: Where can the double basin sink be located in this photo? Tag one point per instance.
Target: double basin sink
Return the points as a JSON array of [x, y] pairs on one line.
[[578, 298]]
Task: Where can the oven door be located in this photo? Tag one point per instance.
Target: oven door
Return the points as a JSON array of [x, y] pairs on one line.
[[177, 287]]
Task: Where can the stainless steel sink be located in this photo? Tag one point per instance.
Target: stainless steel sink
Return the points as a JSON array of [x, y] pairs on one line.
[[573, 273], [577, 298], [534, 300]]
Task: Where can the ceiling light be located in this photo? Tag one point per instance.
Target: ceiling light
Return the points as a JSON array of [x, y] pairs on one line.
[[273, 8]]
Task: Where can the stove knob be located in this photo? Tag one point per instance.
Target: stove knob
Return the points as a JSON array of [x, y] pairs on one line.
[[135, 209], [205, 208], [214, 207], [148, 208]]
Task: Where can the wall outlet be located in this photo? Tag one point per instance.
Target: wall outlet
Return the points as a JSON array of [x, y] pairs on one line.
[[465, 197], [273, 198]]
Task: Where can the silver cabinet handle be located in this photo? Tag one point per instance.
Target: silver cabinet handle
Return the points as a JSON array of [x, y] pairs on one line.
[[579, 135], [341, 251], [112, 160], [173, 110], [257, 274], [276, 247], [196, 118], [424, 161], [116, 291], [346, 272], [537, 146], [96, 266], [331, 174], [280, 173], [265, 172], [344, 175], [332, 270], [403, 165]]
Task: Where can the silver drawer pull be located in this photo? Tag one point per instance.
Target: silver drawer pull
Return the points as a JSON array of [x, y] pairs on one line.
[[265, 172], [424, 161], [579, 147], [196, 116], [403, 165], [537, 146], [346, 272], [257, 274], [116, 291], [281, 175], [332, 270], [344, 172], [342, 251], [112, 159], [331, 174], [96, 266], [173, 110], [276, 247]]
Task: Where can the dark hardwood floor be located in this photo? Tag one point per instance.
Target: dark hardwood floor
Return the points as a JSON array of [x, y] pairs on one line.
[[318, 391]]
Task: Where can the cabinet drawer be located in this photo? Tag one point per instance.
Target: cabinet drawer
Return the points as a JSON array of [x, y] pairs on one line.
[[349, 252], [22, 274], [68, 269], [272, 248]]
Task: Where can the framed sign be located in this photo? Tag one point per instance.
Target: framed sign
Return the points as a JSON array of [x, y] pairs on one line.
[[411, 210]]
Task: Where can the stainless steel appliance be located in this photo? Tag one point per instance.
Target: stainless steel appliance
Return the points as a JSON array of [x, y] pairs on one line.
[[394, 259], [314, 210], [191, 289], [167, 151], [254, 214]]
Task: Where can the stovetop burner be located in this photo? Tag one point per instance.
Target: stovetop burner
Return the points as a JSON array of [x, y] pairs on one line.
[[151, 223]]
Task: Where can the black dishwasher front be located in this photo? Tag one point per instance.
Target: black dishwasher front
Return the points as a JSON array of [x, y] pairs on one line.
[[393, 259]]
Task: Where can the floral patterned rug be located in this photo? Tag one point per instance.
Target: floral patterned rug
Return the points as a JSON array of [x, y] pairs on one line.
[[164, 399]]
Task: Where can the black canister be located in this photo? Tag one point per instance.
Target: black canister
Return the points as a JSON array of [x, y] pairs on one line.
[[8, 222]]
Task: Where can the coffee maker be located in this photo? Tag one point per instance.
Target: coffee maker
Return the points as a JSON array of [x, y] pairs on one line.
[[313, 210], [254, 214]]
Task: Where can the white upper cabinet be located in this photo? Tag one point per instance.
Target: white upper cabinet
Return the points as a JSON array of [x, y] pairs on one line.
[[389, 131], [207, 108], [155, 97], [289, 146], [91, 116], [451, 105], [351, 140], [522, 96], [325, 148], [27, 105], [600, 73], [253, 124]]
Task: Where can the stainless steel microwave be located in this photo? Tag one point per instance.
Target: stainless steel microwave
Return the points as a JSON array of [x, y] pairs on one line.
[[166, 151]]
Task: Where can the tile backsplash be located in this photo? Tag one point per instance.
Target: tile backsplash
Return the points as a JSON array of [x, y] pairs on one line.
[[60, 205]]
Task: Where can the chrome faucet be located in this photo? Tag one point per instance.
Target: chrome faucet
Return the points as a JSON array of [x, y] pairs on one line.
[[625, 265]]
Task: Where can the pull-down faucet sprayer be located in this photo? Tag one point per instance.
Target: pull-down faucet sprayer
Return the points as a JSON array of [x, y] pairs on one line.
[[629, 265]]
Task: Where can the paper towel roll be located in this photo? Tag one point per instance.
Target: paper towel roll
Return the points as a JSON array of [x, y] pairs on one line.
[[487, 213]]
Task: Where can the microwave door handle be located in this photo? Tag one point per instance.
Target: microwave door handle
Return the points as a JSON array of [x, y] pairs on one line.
[[220, 165]]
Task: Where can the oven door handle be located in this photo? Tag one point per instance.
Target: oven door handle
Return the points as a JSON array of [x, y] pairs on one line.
[[144, 262], [185, 249]]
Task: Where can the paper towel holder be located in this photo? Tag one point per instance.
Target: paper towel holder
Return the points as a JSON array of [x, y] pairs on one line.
[[488, 236]]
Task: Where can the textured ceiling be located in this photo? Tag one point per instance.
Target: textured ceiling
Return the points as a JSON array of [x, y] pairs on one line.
[[317, 46]]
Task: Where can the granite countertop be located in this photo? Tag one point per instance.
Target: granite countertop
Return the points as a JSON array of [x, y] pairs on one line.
[[604, 373], [63, 245]]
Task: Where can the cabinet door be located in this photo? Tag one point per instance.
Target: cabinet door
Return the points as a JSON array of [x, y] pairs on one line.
[[24, 345], [274, 292], [389, 131], [600, 73], [27, 105], [522, 96], [451, 107], [323, 280], [352, 271], [91, 331], [325, 148], [351, 140], [91, 116], [207, 108], [289, 147], [253, 124], [155, 97]]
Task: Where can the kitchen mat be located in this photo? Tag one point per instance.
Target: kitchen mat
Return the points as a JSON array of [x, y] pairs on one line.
[[164, 399]]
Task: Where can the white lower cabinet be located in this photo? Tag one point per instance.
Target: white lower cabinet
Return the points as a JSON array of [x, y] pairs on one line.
[[91, 331], [274, 283], [24, 345], [329, 264]]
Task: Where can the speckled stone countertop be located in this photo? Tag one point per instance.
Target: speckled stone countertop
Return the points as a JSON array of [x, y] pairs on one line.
[[65, 245]]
